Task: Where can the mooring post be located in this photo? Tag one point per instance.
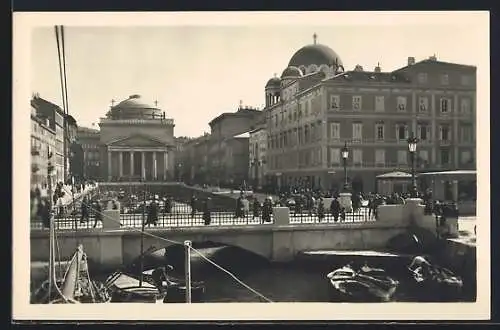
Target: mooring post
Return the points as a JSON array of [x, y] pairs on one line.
[[187, 250]]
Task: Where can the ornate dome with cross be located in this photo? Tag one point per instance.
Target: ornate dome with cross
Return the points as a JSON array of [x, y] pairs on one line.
[[138, 141]]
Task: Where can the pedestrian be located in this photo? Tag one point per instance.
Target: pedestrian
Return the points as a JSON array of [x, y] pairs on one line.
[[152, 213], [192, 204], [238, 213], [60, 206], [321, 210], [44, 212], [97, 212], [206, 212], [84, 210], [267, 209], [256, 208], [335, 208], [168, 205]]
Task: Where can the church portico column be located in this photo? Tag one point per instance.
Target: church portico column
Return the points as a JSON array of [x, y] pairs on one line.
[[165, 165], [120, 163], [131, 163], [155, 176], [109, 165], [143, 165]]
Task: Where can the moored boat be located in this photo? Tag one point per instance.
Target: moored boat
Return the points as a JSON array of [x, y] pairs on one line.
[[176, 288], [127, 288], [346, 284], [437, 282]]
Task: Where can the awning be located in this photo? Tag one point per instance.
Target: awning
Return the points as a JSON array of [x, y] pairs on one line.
[[394, 175]]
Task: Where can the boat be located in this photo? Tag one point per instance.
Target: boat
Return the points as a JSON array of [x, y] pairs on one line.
[[176, 288], [75, 286], [346, 284], [128, 289], [440, 283]]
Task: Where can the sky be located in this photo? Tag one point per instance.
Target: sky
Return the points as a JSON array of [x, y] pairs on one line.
[[197, 72]]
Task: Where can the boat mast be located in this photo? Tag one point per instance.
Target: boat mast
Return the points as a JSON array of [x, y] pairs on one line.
[[142, 236], [51, 225]]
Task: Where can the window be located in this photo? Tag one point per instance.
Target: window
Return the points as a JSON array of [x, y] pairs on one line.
[[402, 157], [466, 133], [444, 132], [401, 103], [423, 103], [379, 132], [334, 102], [423, 155], [465, 157], [356, 103], [380, 157], [444, 79], [357, 131], [465, 80], [445, 156], [335, 131], [423, 132], [379, 103], [465, 106], [445, 105], [422, 78], [357, 156], [335, 156], [402, 132]]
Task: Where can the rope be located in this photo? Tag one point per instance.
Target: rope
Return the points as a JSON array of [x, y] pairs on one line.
[[196, 251], [230, 274]]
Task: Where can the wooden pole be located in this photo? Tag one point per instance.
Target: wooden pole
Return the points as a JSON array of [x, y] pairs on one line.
[[187, 250], [142, 237]]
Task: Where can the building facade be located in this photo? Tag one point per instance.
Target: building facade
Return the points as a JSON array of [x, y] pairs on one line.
[[89, 139], [257, 157], [42, 142], [316, 107], [228, 156], [137, 142], [56, 118]]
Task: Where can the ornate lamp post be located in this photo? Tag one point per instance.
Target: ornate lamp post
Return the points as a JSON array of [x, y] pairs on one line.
[[412, 148], [345, 156]]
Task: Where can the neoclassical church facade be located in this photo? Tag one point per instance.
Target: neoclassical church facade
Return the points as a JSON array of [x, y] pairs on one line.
[[137, 142]]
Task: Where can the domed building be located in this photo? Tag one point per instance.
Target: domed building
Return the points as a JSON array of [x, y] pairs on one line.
[[315, 107], [137, 142]]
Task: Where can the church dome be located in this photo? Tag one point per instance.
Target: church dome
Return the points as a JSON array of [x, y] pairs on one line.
[[291, 72], [315, 54], [274, 82], [134, 108]]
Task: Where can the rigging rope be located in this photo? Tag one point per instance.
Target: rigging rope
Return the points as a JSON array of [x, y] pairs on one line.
[[196, 251]]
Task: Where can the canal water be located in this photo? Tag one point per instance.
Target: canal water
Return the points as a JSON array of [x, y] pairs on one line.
[[303, 280]]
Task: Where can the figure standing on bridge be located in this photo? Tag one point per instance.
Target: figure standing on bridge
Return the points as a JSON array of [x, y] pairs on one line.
[[239, 212], [206, 212], [85, 210], [256, 208], [267, 209], [97, 212], [335, 208], [152, 213], [321, 210], [193, 206]]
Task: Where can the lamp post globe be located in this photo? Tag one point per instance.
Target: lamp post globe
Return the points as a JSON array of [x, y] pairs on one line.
[[412, 148], [345, 156]]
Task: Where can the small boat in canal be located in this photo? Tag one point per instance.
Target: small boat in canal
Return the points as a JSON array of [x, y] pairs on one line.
[[126, 287], [436, 282], [365, 285]]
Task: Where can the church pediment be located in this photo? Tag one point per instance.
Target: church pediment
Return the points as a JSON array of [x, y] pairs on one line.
[[137, 141]]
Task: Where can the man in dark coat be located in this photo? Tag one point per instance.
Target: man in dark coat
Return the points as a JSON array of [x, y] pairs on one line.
[[85, 211], [193, 206], [206, 212], [321, 210], [239, 207], [335, 208], [256, 208], [267, 210], [168, 205], [97, 212], [152, 213]]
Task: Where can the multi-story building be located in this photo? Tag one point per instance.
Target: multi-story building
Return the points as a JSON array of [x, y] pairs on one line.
[[89, 139], [317, 106], [228, 147], [42, 142], [56, 116], [257, 156]]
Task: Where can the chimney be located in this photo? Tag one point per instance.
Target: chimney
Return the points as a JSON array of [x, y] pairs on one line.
[[411, 61], [377, 68], [433, 58]]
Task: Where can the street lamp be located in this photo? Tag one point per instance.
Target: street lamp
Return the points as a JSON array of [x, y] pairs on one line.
[[412, 147], [345, 155]]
